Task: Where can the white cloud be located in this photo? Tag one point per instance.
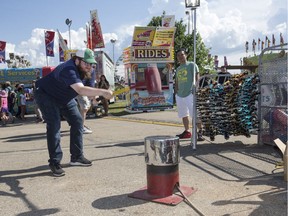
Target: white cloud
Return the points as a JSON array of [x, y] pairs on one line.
[[224, 25]]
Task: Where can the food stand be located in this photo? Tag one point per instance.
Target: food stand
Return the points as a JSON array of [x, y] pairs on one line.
[[148, 67]]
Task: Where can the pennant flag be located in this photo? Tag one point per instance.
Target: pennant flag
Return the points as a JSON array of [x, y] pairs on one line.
[[253, 45], [262, 45], [281, 39], [62, 42], [216, 62], [2, 51], [49, 43], [225, 61], [247, 46], [96, 32], [266, 40], [61, 52], [273, 40]]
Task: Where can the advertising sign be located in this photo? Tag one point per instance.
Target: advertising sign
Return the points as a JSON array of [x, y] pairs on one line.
[[168, 21], [96, 32], [143, 36], [164, 36], [148, 67], [20, 75]]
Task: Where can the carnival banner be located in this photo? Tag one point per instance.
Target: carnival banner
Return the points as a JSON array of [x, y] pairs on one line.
[[49, 43], [61, 51], [2, 51], [96, 32], [88, 36], [62, 42]]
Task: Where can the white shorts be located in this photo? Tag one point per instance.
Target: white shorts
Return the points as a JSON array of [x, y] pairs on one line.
[[184, 106], [84, 102]]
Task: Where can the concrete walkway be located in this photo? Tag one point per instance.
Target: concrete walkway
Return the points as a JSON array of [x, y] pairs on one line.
[[232, 177]]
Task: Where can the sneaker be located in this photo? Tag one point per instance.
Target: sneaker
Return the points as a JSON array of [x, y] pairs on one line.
[[87, 130], [57, 170], [82, 161], [200, 137], [184, 135], [87, 127], [39, 120]]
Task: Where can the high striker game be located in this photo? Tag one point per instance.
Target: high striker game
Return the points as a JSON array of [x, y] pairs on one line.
[[148, 69]]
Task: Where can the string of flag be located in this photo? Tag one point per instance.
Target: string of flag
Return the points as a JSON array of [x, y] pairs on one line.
[[262, 44]]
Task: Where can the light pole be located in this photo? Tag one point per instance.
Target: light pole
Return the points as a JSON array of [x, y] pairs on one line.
[[193, 4], [188, 14], [113, 41], [69, 23]]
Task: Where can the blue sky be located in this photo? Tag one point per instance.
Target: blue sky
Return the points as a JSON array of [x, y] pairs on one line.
[[224, 25]]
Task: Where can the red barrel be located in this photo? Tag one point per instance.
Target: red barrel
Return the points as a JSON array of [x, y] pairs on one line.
[[162, 158], [161, 180]]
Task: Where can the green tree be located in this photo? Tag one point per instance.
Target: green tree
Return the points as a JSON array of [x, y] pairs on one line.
[[182, 40]]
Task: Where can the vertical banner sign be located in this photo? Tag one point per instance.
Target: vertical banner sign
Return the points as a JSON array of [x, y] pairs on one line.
[[2, 51], [62, 43], [61, 52], [88, 36], [96, 32], [49, 43]]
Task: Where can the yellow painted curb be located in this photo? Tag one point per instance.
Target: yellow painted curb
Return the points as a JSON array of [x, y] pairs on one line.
[[144, 121]]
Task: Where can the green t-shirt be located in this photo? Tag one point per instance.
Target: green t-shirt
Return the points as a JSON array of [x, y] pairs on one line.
[[184, 76]]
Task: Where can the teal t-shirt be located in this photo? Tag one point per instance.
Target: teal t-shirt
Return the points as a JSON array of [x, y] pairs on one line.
[[184, 76]]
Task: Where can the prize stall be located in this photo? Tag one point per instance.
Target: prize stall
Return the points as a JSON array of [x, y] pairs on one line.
[[148, 67]]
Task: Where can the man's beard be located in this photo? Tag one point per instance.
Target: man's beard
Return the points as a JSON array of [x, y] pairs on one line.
[[83, 74]]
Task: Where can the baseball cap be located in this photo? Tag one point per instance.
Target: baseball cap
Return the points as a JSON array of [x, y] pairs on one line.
[[87, 55]]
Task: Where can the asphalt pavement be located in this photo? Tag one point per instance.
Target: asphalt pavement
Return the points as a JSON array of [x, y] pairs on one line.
[[234, 177]]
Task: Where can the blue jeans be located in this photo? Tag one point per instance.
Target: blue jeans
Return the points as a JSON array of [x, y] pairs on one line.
[[52, 111]]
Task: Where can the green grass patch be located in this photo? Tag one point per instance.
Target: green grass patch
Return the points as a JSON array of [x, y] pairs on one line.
[[118, 108]]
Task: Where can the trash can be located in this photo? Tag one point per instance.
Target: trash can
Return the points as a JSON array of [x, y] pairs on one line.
[[162, 156]]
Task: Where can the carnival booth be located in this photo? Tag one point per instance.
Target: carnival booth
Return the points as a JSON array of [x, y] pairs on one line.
[[25, 77], [148, 69]]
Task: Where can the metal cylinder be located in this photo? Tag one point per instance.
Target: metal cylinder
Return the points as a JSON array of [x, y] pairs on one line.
[[162, 150], [162, 158]]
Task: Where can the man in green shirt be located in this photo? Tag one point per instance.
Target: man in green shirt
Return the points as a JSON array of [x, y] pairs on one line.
[[184, 98]]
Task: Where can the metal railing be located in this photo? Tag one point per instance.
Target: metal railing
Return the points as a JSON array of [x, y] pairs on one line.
[[273, 107]]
